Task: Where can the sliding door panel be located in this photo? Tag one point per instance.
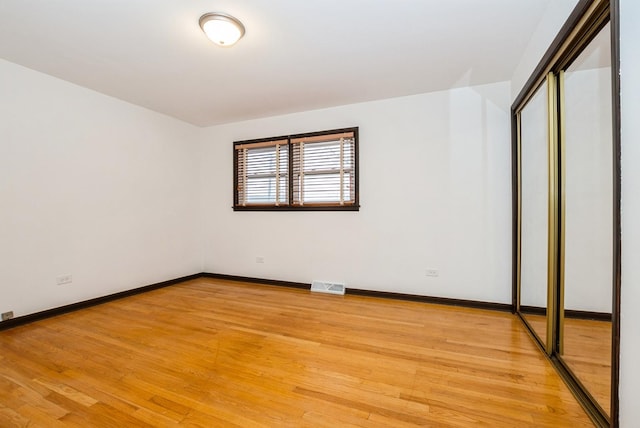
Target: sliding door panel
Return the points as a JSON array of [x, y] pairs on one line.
[[534, 216], [587, 217]]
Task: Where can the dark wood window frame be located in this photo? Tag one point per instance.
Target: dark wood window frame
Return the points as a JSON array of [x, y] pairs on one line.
[[284, 190]]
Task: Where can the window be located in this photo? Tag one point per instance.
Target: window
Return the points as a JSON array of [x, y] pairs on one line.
[[315, 171]]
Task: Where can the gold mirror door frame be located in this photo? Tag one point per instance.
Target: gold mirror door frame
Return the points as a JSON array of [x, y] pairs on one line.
[[553, 233]]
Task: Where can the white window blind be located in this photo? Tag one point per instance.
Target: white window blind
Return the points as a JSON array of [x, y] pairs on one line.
[[263, 170], [323, 169]]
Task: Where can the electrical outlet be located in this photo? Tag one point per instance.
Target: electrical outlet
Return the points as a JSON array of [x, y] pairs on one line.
[[7, 315], [64, 279], [259, 259], [432, 272]]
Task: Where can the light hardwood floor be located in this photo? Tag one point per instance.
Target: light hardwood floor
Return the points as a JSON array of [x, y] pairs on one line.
[[587, 352], [212, 353]]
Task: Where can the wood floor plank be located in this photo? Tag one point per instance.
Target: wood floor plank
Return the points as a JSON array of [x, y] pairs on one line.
[[12, 418], [210, 352]]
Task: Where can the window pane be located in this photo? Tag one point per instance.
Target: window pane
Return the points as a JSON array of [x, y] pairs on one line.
[[263, 190], [322, 157], [258, 176], [317, 169], [322, 188]]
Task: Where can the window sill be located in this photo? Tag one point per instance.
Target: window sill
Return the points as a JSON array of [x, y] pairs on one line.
[[298, 208]]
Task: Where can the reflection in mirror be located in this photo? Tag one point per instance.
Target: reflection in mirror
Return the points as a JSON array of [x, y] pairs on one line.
[[534, 203], [588, 218]]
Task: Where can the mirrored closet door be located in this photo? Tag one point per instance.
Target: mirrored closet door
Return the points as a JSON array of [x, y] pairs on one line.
[[587, 217], [567, 208], [535, 181]]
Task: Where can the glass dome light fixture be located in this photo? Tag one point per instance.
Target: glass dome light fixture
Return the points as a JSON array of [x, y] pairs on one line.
[[221, 29]]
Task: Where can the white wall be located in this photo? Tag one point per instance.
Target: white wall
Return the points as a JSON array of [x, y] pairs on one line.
[[434, 188], [588, 189], [630, 212], [552, 21], [534, 201], [92, 187]]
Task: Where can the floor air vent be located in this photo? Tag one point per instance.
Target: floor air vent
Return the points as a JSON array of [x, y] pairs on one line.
[[327, 287]]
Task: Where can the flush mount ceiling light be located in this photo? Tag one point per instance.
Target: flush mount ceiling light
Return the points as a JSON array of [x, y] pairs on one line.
[[221, 29]]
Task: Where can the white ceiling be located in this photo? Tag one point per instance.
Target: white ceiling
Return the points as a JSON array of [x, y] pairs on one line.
[[296, 55]]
